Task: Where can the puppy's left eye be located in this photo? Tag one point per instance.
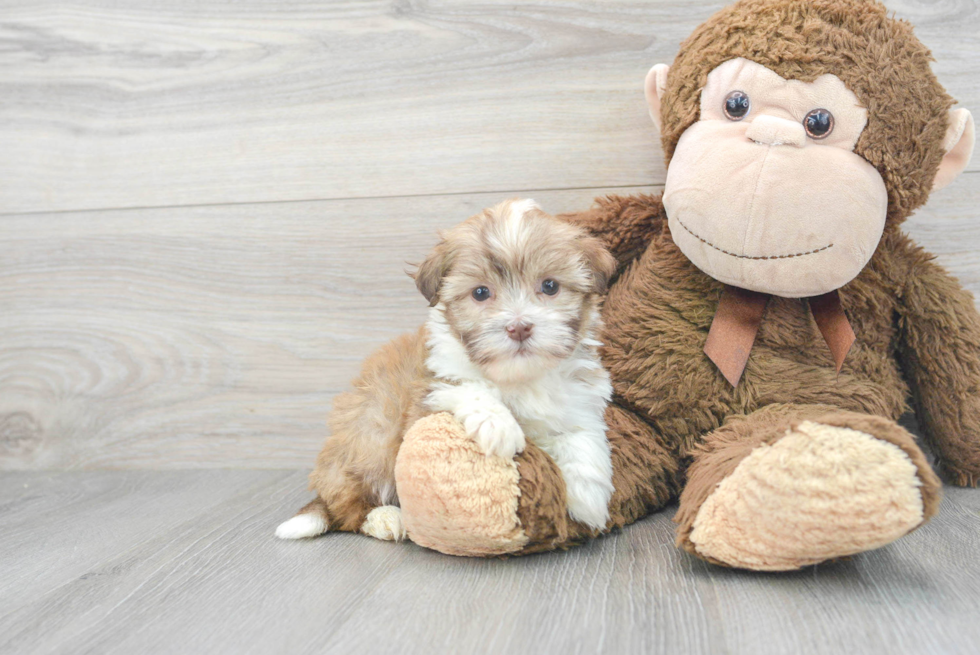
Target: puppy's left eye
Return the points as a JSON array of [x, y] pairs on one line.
[[481, 293], [549, 287]]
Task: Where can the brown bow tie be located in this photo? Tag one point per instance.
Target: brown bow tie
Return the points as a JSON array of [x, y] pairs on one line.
[[737, 320]]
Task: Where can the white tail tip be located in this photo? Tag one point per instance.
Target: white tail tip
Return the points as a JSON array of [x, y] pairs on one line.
[[302, 526]]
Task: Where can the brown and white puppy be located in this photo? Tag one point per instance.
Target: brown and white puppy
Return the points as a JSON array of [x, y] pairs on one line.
[[509, 349]]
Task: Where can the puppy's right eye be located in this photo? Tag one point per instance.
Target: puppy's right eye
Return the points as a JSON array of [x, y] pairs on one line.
[[481, 293]]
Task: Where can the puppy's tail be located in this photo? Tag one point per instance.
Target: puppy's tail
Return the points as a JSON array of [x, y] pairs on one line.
[[312, 520]]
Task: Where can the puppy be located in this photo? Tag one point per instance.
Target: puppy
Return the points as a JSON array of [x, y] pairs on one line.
[[509, 349]]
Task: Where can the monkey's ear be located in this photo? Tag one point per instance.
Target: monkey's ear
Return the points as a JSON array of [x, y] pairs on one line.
[[428, 276], [958, 145], [654, 88], [600, 262]]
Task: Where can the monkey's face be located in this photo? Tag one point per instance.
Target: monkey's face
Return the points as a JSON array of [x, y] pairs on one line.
[[765, 192]]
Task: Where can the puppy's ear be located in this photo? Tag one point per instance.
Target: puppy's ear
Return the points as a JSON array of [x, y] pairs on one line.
[[600, 262], [428, 276]]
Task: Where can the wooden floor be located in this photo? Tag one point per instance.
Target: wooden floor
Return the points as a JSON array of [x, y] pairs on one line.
[[185, 562], [206, 210]]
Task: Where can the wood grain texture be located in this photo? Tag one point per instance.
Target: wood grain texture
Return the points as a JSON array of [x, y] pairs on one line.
[[132, 104], [185, 562]]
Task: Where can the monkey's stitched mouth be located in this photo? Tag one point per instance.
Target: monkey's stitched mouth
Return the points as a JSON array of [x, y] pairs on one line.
[[732, 254]]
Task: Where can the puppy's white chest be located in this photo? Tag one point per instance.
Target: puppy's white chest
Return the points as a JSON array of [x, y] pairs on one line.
[[538, 408], [558, 404]]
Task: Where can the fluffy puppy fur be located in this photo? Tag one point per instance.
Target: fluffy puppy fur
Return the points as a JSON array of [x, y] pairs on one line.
[[509, 349]]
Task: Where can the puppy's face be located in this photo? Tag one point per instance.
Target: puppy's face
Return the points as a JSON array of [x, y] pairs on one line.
[[518, 287]]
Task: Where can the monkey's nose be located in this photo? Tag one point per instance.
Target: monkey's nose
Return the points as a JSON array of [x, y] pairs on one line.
[[519, 331], [774, 131]]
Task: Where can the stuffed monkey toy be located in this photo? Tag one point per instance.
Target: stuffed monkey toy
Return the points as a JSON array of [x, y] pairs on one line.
[[770, 321]]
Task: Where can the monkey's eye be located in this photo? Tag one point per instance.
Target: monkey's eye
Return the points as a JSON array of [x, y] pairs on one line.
[[736, 105], [549, 287], [481, 293], [819, 123]]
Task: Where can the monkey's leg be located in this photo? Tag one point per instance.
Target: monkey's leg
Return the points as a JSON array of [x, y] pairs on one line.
[[458, 501], [789, 486]]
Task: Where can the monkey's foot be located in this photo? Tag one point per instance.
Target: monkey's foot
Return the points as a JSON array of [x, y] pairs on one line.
[[818, 493]]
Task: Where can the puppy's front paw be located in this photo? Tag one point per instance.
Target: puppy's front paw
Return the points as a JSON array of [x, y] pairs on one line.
[[588, 502], [494, 430], [384, 523]]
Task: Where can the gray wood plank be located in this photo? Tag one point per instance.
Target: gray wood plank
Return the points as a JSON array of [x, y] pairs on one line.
[[130, 104], [212, 578], [79, 521], [216, 336]]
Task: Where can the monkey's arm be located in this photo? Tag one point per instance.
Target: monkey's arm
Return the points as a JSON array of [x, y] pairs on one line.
[[940, 352], [626, 225]]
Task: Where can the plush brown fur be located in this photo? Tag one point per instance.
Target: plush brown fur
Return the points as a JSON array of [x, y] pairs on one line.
[[918, 341], [675, 420]]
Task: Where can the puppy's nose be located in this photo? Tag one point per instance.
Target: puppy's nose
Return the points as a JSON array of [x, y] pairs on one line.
[[519, 331]]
